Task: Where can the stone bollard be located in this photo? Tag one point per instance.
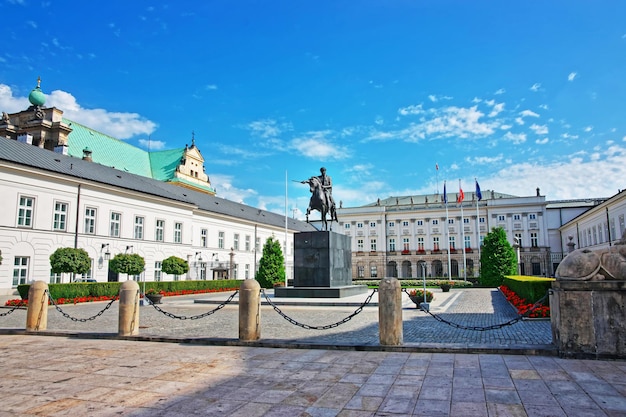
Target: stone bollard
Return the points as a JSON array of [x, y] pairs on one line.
[[250, 310], [390, 312], [129, 309], [37, 313]]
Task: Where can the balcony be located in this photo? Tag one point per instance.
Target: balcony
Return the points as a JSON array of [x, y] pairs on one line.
[[406, 252]]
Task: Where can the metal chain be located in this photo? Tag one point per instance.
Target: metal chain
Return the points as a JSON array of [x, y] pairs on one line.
[[199, 316], [79, 319], [16, 307], [328, 326], [494, 326]]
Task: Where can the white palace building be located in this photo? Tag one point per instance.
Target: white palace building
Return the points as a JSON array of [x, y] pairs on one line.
[[66, 185]]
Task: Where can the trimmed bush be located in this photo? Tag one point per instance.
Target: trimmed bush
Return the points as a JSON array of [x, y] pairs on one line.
[[528, 287]]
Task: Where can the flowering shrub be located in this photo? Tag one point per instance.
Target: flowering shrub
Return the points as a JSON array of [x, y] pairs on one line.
[[419, 294], [88, 299], [522, 305]]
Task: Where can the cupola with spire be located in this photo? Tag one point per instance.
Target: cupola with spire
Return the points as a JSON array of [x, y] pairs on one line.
[[36, 97]]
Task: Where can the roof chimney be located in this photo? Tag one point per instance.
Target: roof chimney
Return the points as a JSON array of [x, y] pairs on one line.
[[87, 155], [538, 194]]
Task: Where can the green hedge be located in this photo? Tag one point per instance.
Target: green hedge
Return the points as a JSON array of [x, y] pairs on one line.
[[528, 287], [411, 283], [111, 289]]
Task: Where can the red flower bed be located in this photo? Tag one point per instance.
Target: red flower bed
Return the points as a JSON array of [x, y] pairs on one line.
[[76, 300], [523, 305]]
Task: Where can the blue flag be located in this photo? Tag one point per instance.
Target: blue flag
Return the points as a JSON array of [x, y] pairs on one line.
[[445, 196], [479, 195]]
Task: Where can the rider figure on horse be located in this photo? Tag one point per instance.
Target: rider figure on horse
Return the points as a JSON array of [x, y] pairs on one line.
[[327, 186]]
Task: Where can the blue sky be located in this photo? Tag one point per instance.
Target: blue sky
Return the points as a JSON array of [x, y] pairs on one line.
[[519, 94]]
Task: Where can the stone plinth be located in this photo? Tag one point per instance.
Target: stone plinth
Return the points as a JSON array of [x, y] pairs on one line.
[[589, 318], [322, 267]]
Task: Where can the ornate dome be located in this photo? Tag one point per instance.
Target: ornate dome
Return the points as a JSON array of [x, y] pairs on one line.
[[36, 96]]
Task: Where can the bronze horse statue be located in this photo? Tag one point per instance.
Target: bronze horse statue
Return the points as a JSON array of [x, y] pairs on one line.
[[319, 202]]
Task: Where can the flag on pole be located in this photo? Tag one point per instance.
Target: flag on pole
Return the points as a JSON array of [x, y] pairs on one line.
[[461, 195], [437, 166], [445, 196], [479, 195]]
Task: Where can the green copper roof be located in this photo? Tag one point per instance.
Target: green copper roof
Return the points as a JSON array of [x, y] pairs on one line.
[[164, 163], [107, 150]]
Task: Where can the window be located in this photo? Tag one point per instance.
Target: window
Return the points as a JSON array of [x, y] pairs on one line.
[[435, 243], [532, 217], [359, 225], [359, 245], [534, 240], [247, 243], [114, 225], [621, 225], [90, 220], [178, 233], [203, 237], [405, 223], [481, 220], [373, 271], [157, 271], [501, 217], [20, 270], [346, 226], [392, 245], [482, 240], [420, 222], [220, 240], [159, 230], [391, 224], [517, 217], [420, 243], [236, 241], [435, 222], [60, 217], [247, 271], [518, 239], [452, 243], [138, 227], [360, 271], [25, 212], [373, 245], [372, 224], [56, 278], [450, 221], [468, 242], [405, 244], [203, 271], [466, 220]]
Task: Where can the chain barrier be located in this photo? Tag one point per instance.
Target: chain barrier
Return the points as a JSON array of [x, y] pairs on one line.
[[199, 316], [328, 326], [15, 307], [494, 326], [76, 318]]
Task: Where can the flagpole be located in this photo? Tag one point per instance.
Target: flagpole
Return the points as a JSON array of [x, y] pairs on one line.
[[478, 198], [445, 199], [461, 197], [286, 233]]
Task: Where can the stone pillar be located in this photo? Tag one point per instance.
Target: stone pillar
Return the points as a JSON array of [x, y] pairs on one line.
[[390, 312], [37, 313], [249, 310], [589, 318], [129, 309]]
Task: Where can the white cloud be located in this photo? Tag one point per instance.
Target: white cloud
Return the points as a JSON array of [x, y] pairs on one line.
[[484, 160], [226, 189], [9, 103], [316, 145], [535, 87], [211, 87], [31, 24], [505, 127], [519, 120], [476, 100], [117, 124], [152, 145], [500, 91], [588, 129], [542, 141], [516, 138], [543, 106], [539, 129], [571, 76], [379, 121], [568, 136], [528, 113], [435, 98], [268, 128], [410, 110], [497, 109]]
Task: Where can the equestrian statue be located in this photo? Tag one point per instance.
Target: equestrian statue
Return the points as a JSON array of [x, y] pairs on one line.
[[321, 188]]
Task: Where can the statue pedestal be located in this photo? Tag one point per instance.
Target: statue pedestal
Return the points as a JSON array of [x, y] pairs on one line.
[[322, 267], [589, 318]]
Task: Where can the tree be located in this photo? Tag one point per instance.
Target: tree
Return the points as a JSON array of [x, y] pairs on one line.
[[127, 263], [70, 260], [175, 266], [271, 265], [497, 258]]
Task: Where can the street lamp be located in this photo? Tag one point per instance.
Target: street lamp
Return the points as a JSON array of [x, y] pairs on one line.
[[107, 254], [424, 306], [516, 245]]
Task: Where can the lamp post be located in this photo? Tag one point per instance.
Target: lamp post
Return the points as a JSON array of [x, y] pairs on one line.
[[198, 263], [424, 306], [516, 246]]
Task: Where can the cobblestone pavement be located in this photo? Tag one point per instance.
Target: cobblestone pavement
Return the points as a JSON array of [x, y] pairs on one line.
[[61, 376], [468, 307]]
